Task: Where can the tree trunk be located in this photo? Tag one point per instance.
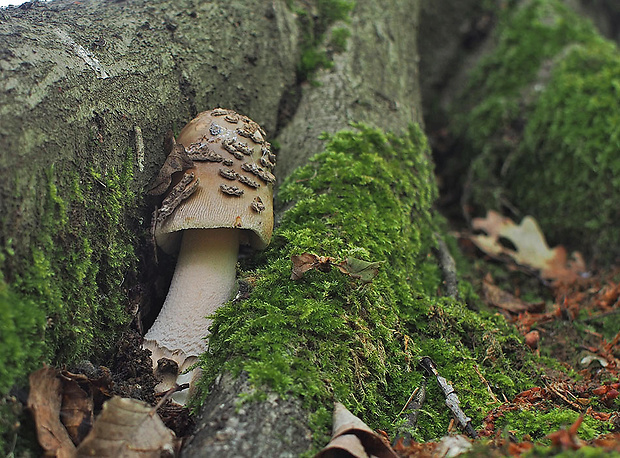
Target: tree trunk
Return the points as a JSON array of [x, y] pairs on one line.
[[76, 88]]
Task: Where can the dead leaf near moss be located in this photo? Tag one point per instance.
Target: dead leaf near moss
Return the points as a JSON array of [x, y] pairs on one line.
[[308, 261], [415, 449], [530, 247], [77, 411], [127, 428], [355, 268], [44, 401], [352, 437], [567, 439], [497, 297], [177, 161]]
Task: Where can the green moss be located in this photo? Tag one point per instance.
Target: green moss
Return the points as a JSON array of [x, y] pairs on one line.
[[21, 336], [540, 119], [338, 39], [538, 424], [328, 337], [569, 153], [315, 18], [584, 452], [66, 300]]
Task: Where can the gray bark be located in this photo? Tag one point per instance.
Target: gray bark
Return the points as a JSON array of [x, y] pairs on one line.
[[73, 88], [275, 427], [78, 78], [375, 81]]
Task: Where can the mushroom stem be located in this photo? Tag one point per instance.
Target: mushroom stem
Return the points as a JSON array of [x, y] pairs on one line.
[[203, 280]]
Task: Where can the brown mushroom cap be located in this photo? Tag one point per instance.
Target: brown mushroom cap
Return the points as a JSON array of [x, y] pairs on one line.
[[233, 164]]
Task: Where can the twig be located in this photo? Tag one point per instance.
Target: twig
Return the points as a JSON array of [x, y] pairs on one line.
[[486, 383], [452, 400], [448, 268], [413, 405]]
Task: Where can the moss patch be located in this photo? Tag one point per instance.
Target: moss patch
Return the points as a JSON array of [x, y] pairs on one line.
[[65, 299], [315, 19], [537, 424], [328, 337], [541, 120]]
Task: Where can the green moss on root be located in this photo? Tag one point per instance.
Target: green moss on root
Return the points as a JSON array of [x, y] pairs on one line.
[[66, 301], [315, 18], [538, 424], [328, 337], [540, 117]]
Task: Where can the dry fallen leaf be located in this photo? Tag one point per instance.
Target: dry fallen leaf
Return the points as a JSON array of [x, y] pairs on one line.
[[352, 437], [346, 445], [176, 161], [531, 247], [128, 428], [44, 402], [452, 446], [497, 297], [77, 408], [567, 439], [355, 268], [363, 270], [308, 261]]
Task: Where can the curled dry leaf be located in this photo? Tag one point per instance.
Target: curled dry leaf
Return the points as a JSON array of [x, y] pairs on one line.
[[355, 268], [77, 408], [44, 401], [497, 297], [352, 437], [308, 261], [531, 247], [176, 161], [128, 428]]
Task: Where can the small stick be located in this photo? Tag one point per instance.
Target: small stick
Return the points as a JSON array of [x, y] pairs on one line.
[[413, 405], [452, 400], [486, 383]]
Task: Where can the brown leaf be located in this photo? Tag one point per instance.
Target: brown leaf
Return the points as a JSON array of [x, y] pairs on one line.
[[363, 270], [355, 268], [497, 297], [567, 439], [176, 161], [531, 247], [44, 402], [128, 428], [308, 261], [345, 446], [77, 408], [346, 429]]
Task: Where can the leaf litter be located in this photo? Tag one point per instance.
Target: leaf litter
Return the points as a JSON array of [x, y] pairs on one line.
[[530, 247], [564, 327], [90, 412]]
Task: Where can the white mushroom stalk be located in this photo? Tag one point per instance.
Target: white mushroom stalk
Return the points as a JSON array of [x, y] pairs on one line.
[[219, 188], [203, 280]]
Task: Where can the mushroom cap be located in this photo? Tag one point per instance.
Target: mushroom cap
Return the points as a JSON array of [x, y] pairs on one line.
[[233, 164]]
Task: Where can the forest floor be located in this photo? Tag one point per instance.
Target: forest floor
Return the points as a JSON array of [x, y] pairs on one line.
[[567, 313], [571, 323]]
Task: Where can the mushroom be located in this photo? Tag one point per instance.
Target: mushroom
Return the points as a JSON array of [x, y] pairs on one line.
[[223, 201]]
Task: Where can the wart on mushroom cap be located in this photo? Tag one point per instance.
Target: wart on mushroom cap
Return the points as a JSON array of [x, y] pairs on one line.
[[225, 199]]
